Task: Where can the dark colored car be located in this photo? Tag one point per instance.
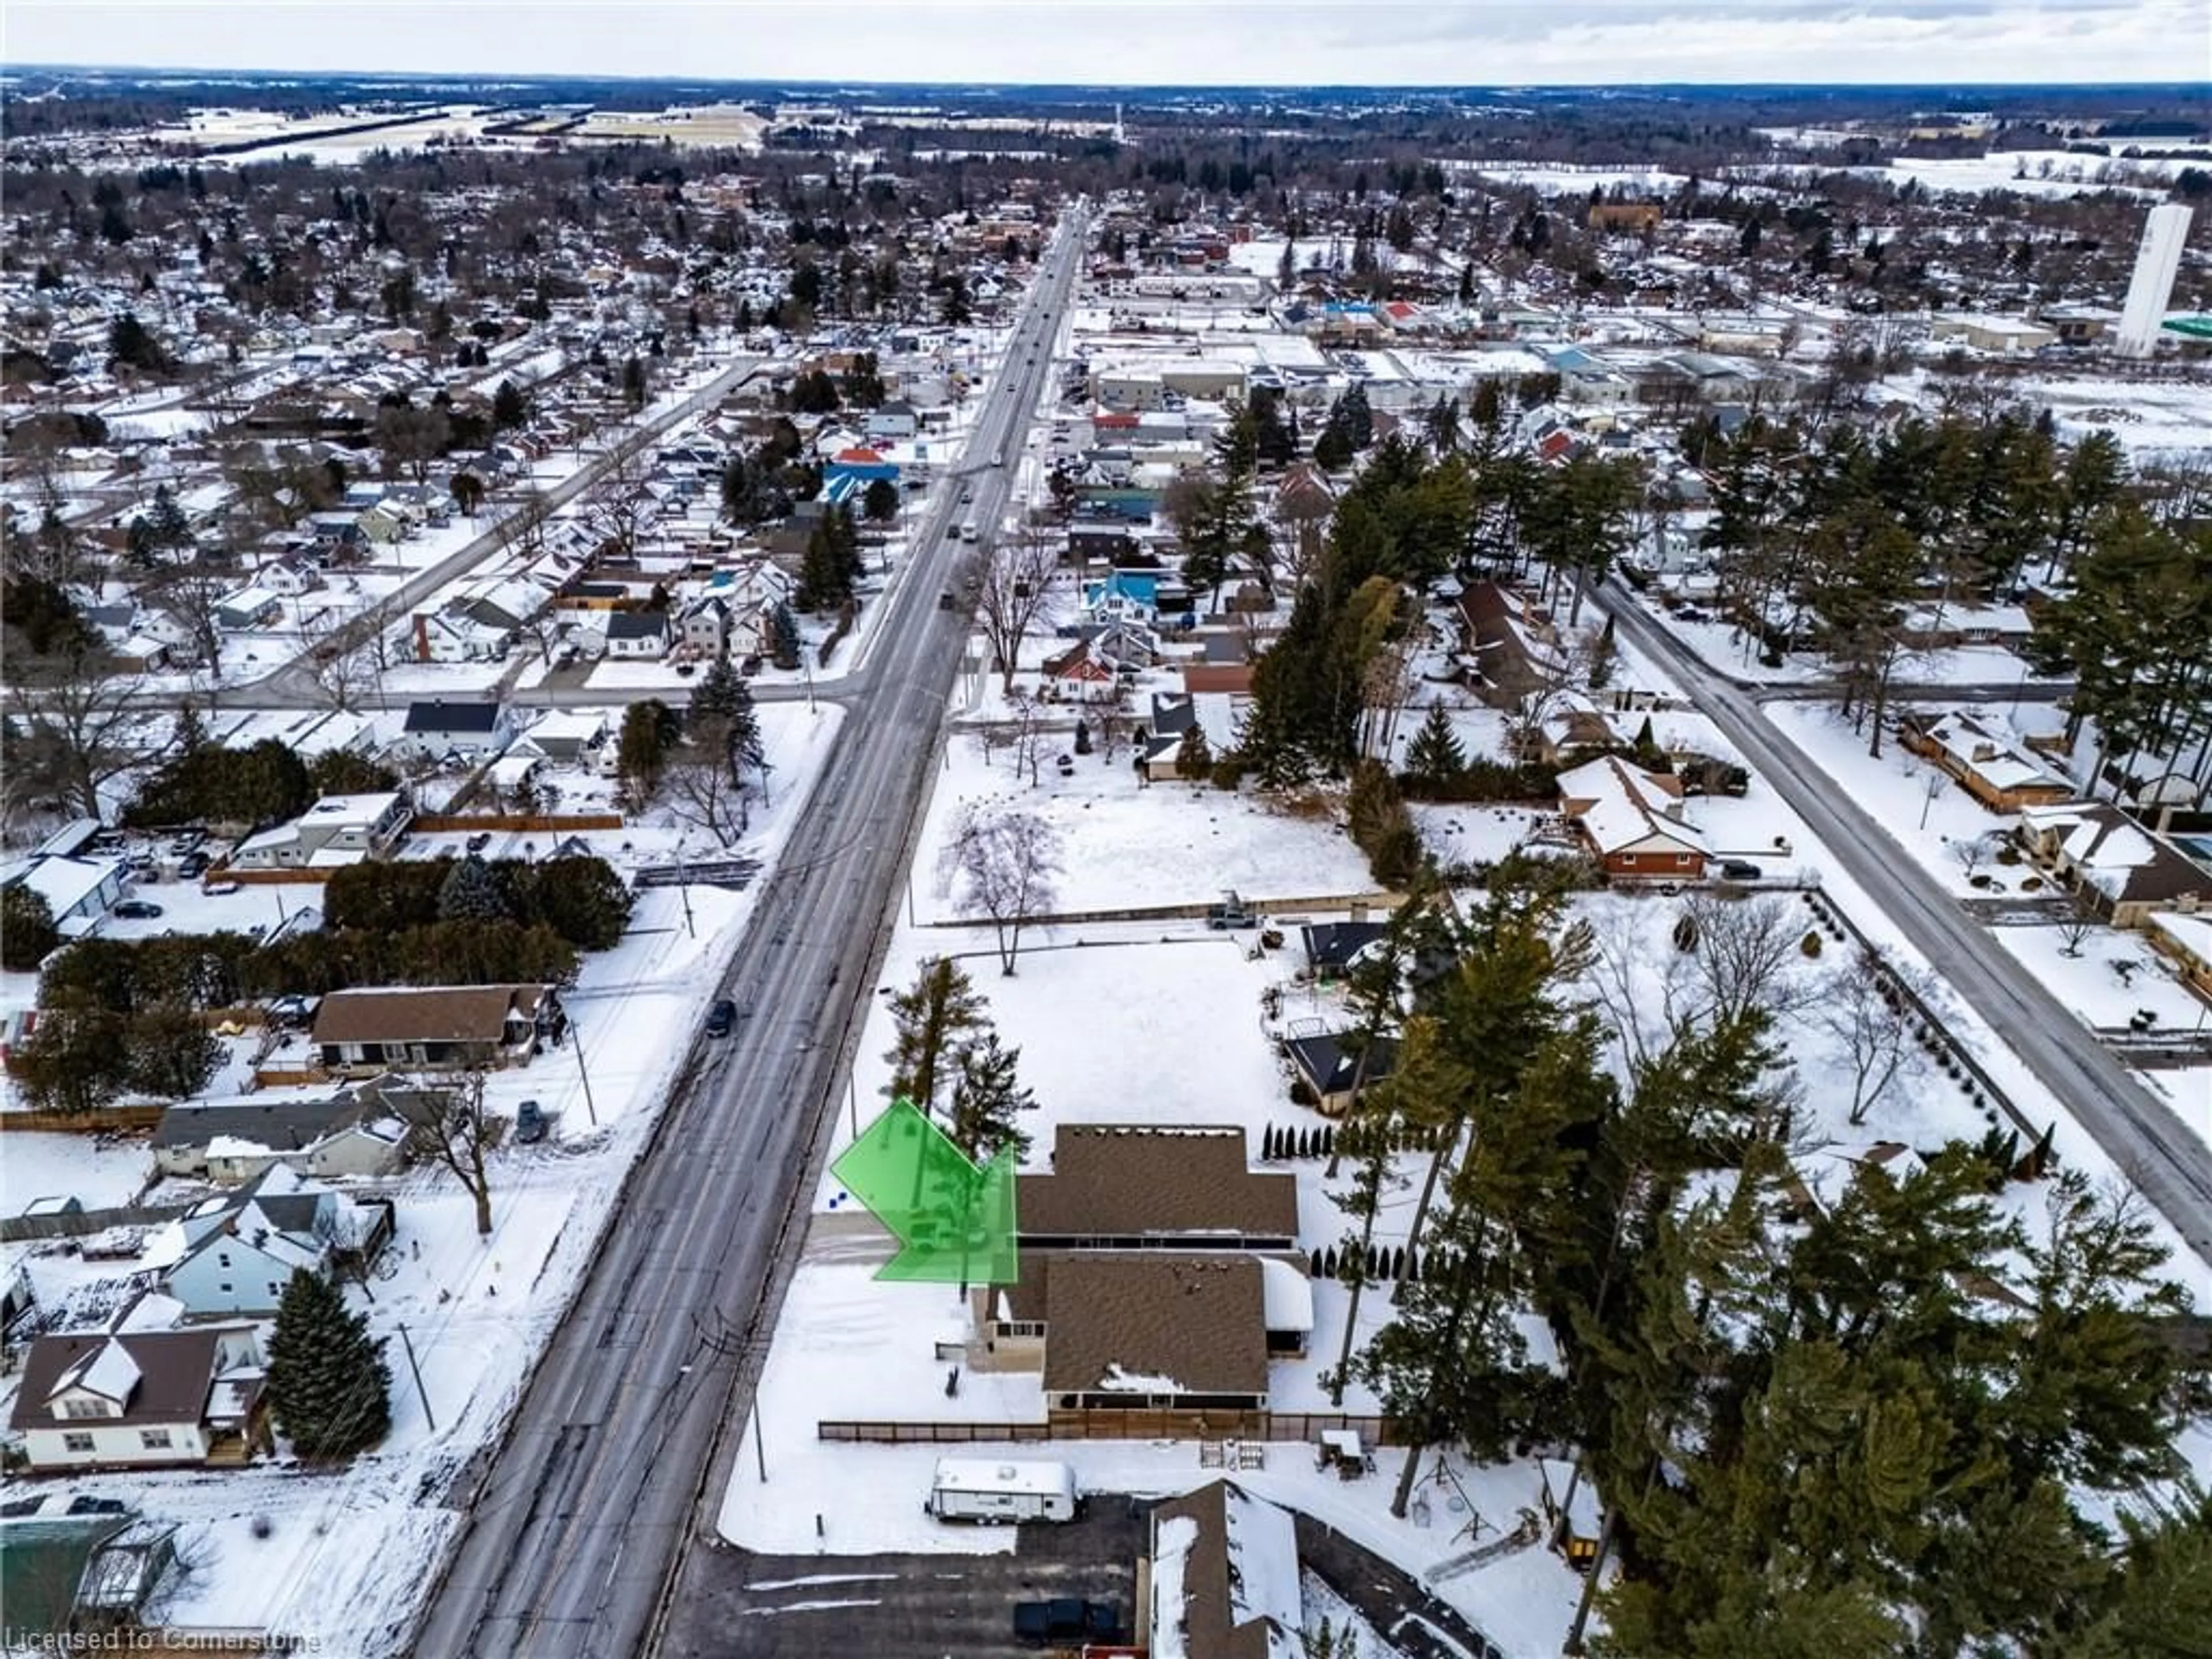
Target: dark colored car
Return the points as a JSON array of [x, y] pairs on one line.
[[136, 910], [192, 867], [531, 1123], [722, 1018], [1065, 1620], [1738, 870], [479, 841]]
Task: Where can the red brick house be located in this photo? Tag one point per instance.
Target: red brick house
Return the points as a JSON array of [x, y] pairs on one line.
[[1632, 822]]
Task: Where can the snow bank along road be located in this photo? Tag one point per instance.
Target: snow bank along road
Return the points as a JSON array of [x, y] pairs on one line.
[[2169, 1165], [578, 1522]]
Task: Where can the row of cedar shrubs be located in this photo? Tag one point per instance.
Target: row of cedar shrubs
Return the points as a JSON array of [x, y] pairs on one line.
[[443, 922]]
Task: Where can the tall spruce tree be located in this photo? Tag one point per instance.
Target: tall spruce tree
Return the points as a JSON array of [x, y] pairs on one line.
[[933, 1021], [1435, 758], [987, 1100], [329, 1388], [471, 892]]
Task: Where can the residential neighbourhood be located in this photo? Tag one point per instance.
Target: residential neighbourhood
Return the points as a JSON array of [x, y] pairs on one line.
[[741, 834]]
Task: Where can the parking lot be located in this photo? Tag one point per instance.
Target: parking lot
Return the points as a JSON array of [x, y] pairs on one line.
[[733, 1602]]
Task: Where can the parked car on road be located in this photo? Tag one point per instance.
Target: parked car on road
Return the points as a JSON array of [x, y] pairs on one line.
[[531, 1123], [722, 1018], [192, 867]]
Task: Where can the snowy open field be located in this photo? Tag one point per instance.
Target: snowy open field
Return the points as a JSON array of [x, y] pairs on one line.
[[1132, 844]]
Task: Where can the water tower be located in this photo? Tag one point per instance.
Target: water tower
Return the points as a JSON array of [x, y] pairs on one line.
[[2164, 233]]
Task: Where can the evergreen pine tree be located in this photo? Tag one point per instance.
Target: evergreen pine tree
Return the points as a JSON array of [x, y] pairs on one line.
[[784, 644], [470, 893], [329, 1386], [933, 1021], [1193, 755], [987, 1100], [1604, 654], [1435, 759]]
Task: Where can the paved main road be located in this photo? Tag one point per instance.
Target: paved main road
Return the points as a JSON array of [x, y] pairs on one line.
[[2169, 1163], [572, 1534]]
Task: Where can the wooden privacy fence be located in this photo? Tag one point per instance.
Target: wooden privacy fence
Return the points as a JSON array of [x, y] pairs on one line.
[[101, 1120], [528, 823], [80, 1224], [1133, 1425]]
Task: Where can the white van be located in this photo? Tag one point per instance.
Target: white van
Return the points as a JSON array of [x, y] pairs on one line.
[[969, 531], [986, 1490]]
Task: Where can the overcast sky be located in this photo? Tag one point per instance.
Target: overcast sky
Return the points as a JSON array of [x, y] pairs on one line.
[[1487, 43]]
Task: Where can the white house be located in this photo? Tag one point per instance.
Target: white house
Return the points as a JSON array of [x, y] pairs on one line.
[[638, 634], [336, 830], [150, 1399], [235, 1252], [438, 727], [78, 891]]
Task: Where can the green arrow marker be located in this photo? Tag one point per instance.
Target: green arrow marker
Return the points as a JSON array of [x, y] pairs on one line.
[[954, 1222]]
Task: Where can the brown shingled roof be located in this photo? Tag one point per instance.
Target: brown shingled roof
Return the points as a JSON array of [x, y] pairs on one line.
[[175, 1369], [1207, 1613], [1198, 1320], [450, 1013], [1121, 1180]]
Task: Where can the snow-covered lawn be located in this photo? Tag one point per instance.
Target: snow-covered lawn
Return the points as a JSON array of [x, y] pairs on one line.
[[1132, 844], [2116, 974], [1924, 810], [99, 1172]]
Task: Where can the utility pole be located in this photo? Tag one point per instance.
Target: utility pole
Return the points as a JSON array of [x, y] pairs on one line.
[[576, 1037], [683, 889], [760, 1439], [420, 1393]]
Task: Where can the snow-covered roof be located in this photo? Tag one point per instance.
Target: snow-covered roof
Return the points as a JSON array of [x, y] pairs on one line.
[[1619, 805], [1286, 1296], [108, 1371], [65, 883], [998, 1474]]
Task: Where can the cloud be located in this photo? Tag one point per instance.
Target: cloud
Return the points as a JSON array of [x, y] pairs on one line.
[[1145, 42]]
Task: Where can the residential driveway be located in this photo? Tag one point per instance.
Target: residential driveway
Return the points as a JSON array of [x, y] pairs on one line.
[[733, 1602]]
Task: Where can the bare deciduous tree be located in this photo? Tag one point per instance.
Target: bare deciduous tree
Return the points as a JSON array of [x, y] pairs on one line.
[[75, 727], [1971, 853], [1006, 865], [1012, 584], [1744, 956], [451, 1125], [1867, 1011], [622, 506], [2079, 920], [701, 787]]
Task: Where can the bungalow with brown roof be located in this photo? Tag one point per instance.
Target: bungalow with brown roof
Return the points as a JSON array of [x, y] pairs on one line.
[[2129, 872], [1987, 757], [1149, 1330], [1512, 643], [143, 1398], [1631, 821], [448, 1027], [1151, 1187]]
